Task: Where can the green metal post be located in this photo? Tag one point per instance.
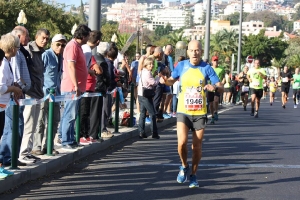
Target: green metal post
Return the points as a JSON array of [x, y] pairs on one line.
[[131, 103], [50, 123], [78, 126], [15, 138], [117, 112]]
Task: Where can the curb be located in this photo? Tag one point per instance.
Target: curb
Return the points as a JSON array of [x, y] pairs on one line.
[[51, 164]]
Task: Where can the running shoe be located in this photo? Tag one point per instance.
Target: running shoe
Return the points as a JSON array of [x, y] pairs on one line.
[[295, 106], [148, 120], [245, 109], [212, 121], [252, 114], [216, 116], [4, 171], [283, 106], [182, 175], [193, 182], [166, 116], [256, 114], [270, 104], [3, 176]]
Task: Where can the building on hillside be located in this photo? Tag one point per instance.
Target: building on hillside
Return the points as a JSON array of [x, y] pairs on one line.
[[218, 25], [232, 8], [177, 18], [130, 17], [168, 4], [296, 25], [214, 7], [114, 13], [286, 36], [253, 27], [196, 33], [198, 13]]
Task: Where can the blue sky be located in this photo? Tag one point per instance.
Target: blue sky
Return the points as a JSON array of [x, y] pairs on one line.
[[71, 2]]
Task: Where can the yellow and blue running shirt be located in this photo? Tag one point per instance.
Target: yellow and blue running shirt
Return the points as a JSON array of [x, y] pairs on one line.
[[192, 97]]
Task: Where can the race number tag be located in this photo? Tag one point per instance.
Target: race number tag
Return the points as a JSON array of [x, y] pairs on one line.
[[285, 80], [255, 83], [245, 89], [193, 99]]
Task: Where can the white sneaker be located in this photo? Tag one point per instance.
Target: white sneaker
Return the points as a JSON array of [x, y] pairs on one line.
[[295, 106], [107, 134]]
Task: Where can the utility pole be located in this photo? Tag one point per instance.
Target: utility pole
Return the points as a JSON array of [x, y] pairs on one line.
[[207, 31], [240, 38], [95, 16]]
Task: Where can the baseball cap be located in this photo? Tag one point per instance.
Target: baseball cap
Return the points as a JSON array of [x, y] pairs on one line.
[[214, 58], [59, 37]]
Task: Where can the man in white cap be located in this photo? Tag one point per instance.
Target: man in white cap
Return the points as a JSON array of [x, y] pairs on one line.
[[53, 62]]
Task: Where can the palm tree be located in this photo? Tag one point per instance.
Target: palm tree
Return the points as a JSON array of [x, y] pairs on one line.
[[294, 61], [278, 63], [174, 37]]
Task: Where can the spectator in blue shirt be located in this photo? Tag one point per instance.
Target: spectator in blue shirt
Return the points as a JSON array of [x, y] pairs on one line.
[[53, 63], [134, 68]]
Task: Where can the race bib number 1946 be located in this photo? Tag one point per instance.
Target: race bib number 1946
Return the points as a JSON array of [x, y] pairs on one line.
[[193, 102]]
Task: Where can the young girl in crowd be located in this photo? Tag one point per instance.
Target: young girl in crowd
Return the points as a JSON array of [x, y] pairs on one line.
[[272, 88], [146, 81]]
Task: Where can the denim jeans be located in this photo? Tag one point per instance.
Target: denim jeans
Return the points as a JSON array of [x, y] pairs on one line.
[[67, 123], [146, 104], [6, 140]]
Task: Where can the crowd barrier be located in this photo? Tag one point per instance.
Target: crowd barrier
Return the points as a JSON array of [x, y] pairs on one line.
[[53, 99]]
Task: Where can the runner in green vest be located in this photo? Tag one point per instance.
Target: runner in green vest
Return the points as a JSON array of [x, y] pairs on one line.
[[256, 75], [296, 87]]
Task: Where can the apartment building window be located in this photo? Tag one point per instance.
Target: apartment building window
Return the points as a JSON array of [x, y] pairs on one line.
[[260, 25], [254, 25]]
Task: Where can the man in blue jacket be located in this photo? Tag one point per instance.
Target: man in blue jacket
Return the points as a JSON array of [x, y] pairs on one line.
[[53, 62]]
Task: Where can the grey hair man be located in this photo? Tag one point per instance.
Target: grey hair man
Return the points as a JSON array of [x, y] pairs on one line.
[[31, 112]]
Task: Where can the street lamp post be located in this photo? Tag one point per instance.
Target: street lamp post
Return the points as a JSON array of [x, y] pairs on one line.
[[22, 18], [207, 31], [74, 28], [240, 38]]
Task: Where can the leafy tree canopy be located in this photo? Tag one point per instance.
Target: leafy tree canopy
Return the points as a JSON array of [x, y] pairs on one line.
[[264, 48], [235, 18], [38, 14], [269, 18]]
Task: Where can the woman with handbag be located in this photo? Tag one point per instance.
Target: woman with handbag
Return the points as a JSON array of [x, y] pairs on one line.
[[146, 92]]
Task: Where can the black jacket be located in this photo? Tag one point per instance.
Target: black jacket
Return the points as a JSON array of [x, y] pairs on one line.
[[102, 80]]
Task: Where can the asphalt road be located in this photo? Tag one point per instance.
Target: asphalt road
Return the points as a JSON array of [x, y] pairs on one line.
[[243, 158]]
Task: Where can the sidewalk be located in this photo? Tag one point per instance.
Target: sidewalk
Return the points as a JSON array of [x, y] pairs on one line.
[[51, 164]]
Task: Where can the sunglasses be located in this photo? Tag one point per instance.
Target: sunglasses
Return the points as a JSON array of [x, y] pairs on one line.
[[60, 44]]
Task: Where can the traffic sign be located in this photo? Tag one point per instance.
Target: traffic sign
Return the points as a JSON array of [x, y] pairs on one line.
[[249, 59]]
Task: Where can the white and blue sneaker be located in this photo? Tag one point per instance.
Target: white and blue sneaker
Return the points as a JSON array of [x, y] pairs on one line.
[[147, 120], [193, 181], [182, 175]]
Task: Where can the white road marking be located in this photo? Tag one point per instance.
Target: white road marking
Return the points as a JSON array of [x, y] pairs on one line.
[[281, 166]]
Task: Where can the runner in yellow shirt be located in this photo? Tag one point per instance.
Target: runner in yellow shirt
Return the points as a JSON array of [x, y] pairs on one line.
[[191, 109], [273, 87], [256, 76]]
